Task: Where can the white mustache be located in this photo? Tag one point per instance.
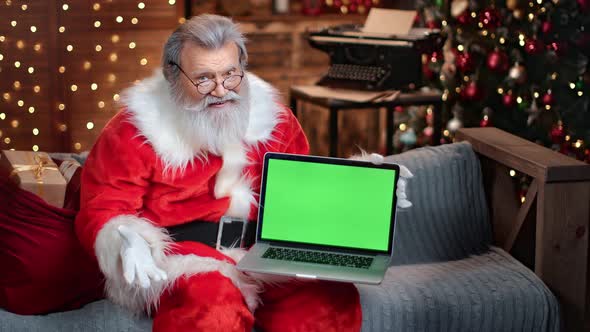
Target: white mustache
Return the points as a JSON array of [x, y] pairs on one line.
[[208, 100], [230, 96]]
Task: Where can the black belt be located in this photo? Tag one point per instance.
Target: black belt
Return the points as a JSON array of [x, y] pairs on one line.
[[229, 230]]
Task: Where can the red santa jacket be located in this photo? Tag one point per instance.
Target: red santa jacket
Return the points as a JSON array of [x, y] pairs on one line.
[[142, 174]]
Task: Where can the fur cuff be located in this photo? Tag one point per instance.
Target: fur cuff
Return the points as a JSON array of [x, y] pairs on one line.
[[137, 299], [188, 265], [108, 252]]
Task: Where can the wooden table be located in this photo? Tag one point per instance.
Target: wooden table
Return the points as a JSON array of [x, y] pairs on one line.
[[403, 99]]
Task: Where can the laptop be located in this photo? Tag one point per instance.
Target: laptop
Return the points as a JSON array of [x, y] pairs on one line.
[[324, 218]]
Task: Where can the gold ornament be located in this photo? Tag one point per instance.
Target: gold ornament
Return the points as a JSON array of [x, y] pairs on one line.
[[517, 73], [513, 4]]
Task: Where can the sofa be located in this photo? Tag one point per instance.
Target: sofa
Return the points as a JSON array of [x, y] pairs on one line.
[[448, 271]]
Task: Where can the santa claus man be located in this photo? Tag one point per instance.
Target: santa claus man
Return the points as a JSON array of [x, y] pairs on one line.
[[187, 150]]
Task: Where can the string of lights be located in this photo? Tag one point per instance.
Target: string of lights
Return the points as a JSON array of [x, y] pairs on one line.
[[64, 63]]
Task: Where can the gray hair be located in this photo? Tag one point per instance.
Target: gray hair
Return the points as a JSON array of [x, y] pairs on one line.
[[207, 31]]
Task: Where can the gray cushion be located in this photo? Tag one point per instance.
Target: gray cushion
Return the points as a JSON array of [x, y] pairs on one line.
[[449, 217]]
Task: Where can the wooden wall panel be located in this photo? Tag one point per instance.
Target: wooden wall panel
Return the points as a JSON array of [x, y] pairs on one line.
[[24, 101], [277, 46], [63, 116]]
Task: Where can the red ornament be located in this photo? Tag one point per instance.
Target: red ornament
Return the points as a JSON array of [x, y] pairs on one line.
[[490, 18], [433, 24], [311, 8], [464, 62], [508, 100], [465, 18], [564, 148], [472, 92], [584, 5], [485, 122], [533, 46], [352, 7], [427, 72], [498, 61], [436, 56], [417, 18], [557, 134], [548, 98], [546, 27], [559, 47]]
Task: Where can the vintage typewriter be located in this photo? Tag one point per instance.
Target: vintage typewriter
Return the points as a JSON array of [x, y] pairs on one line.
[[374, 62]]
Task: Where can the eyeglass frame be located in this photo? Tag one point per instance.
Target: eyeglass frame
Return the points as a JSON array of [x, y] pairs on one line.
[[197, 85]]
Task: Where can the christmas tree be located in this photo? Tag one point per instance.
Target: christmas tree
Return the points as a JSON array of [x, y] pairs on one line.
[[521, 66]]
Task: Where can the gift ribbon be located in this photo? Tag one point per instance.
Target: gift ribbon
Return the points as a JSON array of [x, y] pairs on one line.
[[37, 169]]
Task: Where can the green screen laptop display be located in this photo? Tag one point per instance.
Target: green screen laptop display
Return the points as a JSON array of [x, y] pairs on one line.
[[328, 204]]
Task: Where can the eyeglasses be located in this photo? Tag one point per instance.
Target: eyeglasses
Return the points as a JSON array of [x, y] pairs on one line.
[[230, 82]]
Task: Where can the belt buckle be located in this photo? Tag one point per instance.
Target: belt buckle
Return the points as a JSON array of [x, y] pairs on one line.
[[228, 220]]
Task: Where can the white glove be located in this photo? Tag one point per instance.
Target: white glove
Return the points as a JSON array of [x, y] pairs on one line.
[[402, 198], [404, 174], [136, 256]]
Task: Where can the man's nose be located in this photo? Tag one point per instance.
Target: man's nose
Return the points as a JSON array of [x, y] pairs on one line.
[[219, 90]]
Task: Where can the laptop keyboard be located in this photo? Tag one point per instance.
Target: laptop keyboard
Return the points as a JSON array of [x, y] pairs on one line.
[[318, 257]]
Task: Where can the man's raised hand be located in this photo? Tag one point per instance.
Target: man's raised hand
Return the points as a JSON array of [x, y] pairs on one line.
[[136, 257]]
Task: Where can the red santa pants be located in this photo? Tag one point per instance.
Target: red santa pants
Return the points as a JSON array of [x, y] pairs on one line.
[[210, 302]]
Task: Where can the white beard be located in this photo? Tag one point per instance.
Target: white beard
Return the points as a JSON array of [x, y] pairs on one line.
[[209, 129], [180, 137]]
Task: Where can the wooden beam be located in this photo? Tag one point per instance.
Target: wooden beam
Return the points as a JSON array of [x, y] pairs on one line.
[[524, 156], [502, 198], [562, 216], [561, 253], [531, 195]]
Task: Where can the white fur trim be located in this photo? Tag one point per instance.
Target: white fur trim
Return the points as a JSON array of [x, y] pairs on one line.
[[231, 183], [137, 299], [188, 265], [264, 116], [234, 160], [264, 110], [149, 102], [107, 248], [242, 198]]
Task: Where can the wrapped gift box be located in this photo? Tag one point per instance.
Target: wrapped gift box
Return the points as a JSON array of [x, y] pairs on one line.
[[36, 173]]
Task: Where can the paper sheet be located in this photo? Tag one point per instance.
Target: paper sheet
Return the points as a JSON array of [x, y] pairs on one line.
[[345, 94], [389, 21]]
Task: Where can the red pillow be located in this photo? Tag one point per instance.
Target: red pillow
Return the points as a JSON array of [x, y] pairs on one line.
[[44, 268]]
